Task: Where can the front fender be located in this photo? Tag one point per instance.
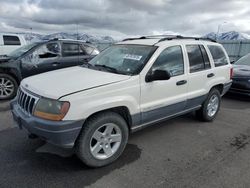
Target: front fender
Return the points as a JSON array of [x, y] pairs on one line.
[[79, 110]]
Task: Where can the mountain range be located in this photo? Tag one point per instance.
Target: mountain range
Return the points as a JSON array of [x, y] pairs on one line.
[[231, 35], [33, 37]]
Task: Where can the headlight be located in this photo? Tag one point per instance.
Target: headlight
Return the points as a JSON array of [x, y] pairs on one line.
[[51, 109]]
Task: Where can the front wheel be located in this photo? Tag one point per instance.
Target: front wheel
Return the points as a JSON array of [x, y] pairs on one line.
[[210, 107], [102, 139], [8, 87]]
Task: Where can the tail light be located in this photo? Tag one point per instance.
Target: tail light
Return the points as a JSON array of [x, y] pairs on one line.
[[231, 73]]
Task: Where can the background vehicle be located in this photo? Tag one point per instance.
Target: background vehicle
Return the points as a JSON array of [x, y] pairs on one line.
[[241, 76], [40, 57], [10, 42], [126, 87]]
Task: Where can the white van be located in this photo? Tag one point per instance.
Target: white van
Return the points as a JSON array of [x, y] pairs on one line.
[[10, 42]]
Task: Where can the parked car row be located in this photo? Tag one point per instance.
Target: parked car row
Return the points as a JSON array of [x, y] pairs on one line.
[[133, 84], [39, 57]]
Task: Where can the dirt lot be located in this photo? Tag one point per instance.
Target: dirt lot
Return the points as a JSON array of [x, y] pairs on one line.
[[182, 152]]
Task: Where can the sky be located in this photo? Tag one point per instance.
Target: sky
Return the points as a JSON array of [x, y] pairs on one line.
[[123, 18]]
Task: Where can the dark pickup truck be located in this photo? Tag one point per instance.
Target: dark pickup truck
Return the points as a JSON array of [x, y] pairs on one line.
[[36, 58]]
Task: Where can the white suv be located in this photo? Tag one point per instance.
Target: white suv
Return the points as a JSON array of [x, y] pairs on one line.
[[133, 84]]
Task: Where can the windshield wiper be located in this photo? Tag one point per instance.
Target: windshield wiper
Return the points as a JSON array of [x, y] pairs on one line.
[[110, 69], [88, 65]]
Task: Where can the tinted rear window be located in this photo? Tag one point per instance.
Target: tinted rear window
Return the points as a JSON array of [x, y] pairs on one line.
[[218, 55], [72, 49], [11, 40], [198, 59]]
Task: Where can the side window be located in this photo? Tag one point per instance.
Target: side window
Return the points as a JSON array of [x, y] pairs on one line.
[[11, 40], [205, 57], [46, 51], [218, 55], [87, 49], [49, 50], [198, 58], [171, 60], [72, 49]]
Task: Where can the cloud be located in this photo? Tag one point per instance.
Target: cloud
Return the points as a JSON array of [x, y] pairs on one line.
[[125, 17]]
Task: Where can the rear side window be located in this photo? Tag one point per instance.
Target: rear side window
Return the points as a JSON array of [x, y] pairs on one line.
[[218, 55], [11, 40], [198, 59], [72, 49], [171, 60]]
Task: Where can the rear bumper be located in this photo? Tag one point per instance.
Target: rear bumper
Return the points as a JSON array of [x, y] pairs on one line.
[[226, 87], [61, 133]]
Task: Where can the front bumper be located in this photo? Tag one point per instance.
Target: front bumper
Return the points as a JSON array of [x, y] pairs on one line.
[[61, 133]]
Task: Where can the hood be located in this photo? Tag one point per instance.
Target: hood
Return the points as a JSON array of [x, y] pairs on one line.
[[62, 82], [241, 71]]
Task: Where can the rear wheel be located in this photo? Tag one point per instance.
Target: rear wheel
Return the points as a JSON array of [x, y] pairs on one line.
[[102, 140], [8, 87], [210, 107]]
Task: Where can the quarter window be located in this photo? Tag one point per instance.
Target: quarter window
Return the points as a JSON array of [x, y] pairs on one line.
[[11, 40], [171, 60], [198, 59], [218, 55]]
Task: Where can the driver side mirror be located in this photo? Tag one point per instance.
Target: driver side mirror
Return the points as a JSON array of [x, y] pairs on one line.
[[158, 75]]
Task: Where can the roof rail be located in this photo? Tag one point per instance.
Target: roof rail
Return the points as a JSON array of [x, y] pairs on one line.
[[136, 38], [168, 37], [182, 37]]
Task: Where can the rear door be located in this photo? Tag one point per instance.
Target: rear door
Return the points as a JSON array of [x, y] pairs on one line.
[[73, 54], [200, 73], [160, 99]]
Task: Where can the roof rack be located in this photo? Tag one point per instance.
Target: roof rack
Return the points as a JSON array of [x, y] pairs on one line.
[[169, 37]]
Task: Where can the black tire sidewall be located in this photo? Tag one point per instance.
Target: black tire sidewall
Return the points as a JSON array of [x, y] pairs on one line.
[[206, 117], [82, 147], [3, 75]]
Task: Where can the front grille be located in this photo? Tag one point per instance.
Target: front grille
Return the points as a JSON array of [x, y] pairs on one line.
[[26, 101]]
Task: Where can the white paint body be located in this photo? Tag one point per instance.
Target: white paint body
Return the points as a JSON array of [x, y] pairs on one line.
[[6, 49], [90, 91]]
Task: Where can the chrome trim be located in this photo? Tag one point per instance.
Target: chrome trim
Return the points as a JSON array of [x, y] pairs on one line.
[[24, 101]]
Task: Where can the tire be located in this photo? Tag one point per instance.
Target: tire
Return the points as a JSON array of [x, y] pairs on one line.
[[91, 139], [209, 110], [8, 87]]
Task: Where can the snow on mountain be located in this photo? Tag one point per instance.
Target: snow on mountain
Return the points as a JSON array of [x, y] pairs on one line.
[[33, 37], [231, 35]]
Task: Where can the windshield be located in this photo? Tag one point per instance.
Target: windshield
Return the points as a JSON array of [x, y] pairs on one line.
[[123, 59], [20, 51], [245, 60]]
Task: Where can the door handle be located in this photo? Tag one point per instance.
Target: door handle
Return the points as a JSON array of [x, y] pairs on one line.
[[182, 82], [210, 75], [54, 64]]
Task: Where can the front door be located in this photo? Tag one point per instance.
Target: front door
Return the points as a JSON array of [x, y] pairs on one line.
[[160, 99], [43, 59]]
